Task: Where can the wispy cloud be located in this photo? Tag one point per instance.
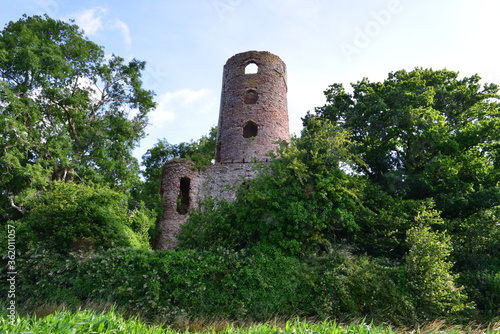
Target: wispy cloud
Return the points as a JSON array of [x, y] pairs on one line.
[[90, 20], [123, 28], [95, 20], [181, 102], [181, 115]]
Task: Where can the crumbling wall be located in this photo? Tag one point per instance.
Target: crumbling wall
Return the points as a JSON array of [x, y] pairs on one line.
[[218, 182], [180, 186], [221, 181]]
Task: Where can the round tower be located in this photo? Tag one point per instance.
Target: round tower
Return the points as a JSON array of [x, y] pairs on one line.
[[253, 115]]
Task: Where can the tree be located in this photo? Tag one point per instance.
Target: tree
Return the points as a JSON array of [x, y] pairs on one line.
[[68, 112], [425, 134], [428, 269]]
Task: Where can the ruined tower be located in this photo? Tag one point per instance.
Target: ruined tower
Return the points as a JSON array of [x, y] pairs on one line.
[[253, 111], [253, 119]]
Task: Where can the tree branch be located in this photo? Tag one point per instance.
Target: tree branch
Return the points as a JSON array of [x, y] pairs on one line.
[[12, 204]]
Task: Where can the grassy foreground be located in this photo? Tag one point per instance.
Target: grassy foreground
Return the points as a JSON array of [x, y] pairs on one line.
[[87, 321]]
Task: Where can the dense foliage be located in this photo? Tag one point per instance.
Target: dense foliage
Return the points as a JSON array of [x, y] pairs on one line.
[[75, 217], [68, 112], [428, 134], [239, 285], [300, 202]]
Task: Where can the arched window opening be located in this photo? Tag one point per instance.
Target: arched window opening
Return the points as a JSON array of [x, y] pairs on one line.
[[250, 129], [183, 198], [250, 97], [251, 68]]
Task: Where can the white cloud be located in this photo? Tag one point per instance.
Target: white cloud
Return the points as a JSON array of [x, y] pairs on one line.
[[123, 28], [95, 20], [181, 115], [183, 103], [90, 20]]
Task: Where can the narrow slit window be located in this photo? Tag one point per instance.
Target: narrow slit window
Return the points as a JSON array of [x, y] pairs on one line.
[[183, 201], [250, 129], [251, 68]]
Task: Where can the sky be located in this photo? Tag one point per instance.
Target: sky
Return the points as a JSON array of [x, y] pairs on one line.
[[186, 43]]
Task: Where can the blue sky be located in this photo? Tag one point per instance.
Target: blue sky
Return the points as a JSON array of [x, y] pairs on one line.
[[186, 43]]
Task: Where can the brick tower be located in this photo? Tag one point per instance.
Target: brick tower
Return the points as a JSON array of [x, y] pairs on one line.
[[253, 118], [253, 113]]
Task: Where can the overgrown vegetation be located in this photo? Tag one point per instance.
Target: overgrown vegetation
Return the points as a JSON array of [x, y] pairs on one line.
[[385, 208], [75, 217]]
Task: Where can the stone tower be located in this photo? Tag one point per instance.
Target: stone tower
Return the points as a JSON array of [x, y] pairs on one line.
[[253, 119], [253, 113]]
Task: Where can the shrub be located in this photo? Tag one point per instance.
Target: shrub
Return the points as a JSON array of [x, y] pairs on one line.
[[166, 284], [74, 216], [44, 276], [254, 285], [428, 269], [483, 287], [352, 286]]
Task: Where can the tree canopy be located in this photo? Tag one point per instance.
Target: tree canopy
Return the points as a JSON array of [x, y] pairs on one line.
[[68, 111], [424, 134]]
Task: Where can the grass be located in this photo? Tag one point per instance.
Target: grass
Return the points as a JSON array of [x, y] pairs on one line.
[[110, 321]]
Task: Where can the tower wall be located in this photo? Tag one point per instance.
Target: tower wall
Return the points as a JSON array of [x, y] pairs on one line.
[[253, 113]]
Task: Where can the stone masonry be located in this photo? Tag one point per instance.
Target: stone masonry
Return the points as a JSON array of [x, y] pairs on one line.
[[253, 119]]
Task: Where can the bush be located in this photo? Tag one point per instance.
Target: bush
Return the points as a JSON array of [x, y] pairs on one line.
[[44, 276], [353, 286], [256, 284], [222, 283], [483, 288], [73, 216], [429, 271], [166, 284]]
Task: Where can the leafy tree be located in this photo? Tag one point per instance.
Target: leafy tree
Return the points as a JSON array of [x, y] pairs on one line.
[[383, 221], [428, 268], [68, 112], [301, 203], [425, 134]]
